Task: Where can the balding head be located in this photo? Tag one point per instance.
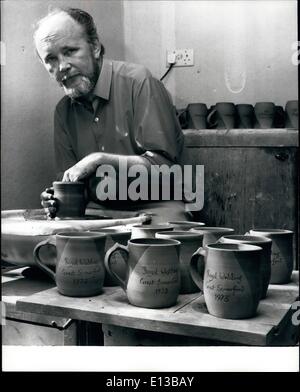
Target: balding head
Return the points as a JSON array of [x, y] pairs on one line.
[[79, 16], [68, 53]]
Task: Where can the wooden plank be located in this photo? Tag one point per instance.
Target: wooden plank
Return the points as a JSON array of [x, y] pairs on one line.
[[113, 308], [278, 137], [22, 282], [19, 333]]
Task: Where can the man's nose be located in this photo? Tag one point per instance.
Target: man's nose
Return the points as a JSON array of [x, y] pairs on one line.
[[64, 65]]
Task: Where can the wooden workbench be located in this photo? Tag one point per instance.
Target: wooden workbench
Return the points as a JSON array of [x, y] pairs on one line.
[[186, 323]]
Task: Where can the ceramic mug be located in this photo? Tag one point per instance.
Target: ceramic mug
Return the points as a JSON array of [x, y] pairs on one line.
[[153, 271], [281, 253], [114, 235], [189, 243], [79, 262], [197, 113], [229, 279], [291, 110], [263, 242], [212, 234], [264, 115], [185, 225], [222, 116], [245, 114], [148, 231], [70, 197]]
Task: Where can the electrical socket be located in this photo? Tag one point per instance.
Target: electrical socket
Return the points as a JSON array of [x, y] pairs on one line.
[[183, 57]]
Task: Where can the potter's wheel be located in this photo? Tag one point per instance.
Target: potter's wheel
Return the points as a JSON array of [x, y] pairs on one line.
[[22, 230], [43, 217]]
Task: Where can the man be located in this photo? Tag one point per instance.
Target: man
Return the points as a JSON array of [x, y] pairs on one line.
[[114, 113]]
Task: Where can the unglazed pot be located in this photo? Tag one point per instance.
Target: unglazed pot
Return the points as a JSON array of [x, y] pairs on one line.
[[229, 279], [291, 110], [212, 234], [114, 235], [79, 263], [189, 243], [222, 116], [264, 115], [153, 271], [148, 231], [266, 244], [70, 197], [281, 253]]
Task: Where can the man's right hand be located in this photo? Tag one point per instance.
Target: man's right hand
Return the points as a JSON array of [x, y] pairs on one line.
[[48, 202]]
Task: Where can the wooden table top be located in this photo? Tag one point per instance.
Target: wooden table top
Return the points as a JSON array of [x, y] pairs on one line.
[[189, 317]]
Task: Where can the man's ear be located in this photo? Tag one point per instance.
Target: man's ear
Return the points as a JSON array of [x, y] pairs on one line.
[[96, 47]]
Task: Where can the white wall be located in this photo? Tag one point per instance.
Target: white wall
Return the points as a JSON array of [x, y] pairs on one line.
[[242, 49]]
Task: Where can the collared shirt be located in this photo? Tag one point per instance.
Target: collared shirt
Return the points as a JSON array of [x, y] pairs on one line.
[[134, 116]]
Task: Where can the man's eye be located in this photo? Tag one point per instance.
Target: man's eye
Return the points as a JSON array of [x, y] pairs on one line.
[[50, 60], [70, 51]]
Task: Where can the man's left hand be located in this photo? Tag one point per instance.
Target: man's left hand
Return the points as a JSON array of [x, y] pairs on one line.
[[82, 169]]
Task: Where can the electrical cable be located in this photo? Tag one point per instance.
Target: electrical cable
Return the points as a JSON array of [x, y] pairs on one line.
[[168, 70]]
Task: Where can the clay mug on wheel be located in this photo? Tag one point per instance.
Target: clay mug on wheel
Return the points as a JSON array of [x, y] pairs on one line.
[[281, 253], [189, 243], [229, 279], [70, 197], [153, 271], [263, 242], [79, 262]]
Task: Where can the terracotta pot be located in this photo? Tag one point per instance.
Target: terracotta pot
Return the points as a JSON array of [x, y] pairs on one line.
[[281, 254], [189, 243], [229, 279], [79, 262], [266, 244], [153, 271]]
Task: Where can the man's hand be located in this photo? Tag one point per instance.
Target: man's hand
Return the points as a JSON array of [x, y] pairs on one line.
[[82, 169], [48, 202]]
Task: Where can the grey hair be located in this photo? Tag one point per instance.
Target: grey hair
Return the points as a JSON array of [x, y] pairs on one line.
[[81, 17]]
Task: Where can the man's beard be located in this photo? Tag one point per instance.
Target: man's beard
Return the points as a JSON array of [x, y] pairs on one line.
[[86, 85]]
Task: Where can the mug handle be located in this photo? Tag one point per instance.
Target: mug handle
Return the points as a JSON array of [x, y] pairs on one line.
[[209, 117], [36, 254], [107, 259], [195, 274]]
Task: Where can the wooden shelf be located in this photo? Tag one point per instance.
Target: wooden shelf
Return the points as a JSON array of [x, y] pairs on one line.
[[275, 137], [189, 317]]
